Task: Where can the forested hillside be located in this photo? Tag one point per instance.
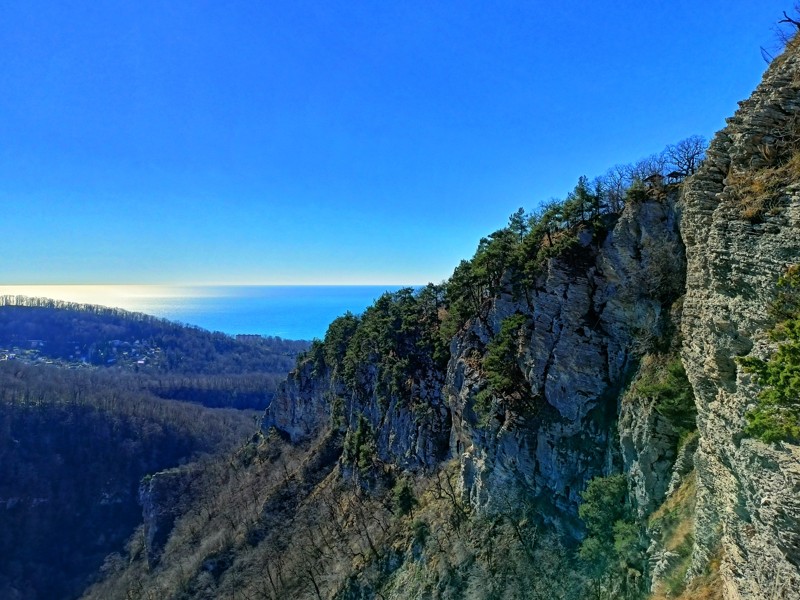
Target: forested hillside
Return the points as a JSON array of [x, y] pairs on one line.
[[601, 403], [74, 446], [91, 401], [576, 413], [169, 359]]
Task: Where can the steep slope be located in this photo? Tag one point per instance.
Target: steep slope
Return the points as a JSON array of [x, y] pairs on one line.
[[587, 321], [420, 468], [741, 227], [584, 322], [73, 449], [382, 372]]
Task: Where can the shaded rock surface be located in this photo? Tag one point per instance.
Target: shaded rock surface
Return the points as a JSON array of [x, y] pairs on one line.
[[587, 319], [409, 435], [302, 407], [160, 496], [648, 443]]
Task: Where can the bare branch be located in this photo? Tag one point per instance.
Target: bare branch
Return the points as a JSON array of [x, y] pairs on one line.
[[788, 19]]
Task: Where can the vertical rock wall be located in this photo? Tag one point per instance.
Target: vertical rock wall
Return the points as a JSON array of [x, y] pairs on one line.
[[589, 318], [301, 408], [413, 437], [161, 499], [748, 492]]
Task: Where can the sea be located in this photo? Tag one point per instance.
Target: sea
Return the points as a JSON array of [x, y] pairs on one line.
[[295, 312]]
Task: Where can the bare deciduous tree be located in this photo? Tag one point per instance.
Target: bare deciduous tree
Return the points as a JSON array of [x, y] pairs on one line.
[[655, 164], [687, 154]]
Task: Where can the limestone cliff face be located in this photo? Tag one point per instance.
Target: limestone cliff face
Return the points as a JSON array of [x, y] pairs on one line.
[[749, 492], [301, 409], [648, 443], [411, 435], [588, 319], [160, 496]]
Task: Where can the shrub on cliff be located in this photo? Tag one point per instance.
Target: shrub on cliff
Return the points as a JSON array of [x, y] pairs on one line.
[[776, 416], [505, 379], [501, 359], [613, 553], [669, 387]]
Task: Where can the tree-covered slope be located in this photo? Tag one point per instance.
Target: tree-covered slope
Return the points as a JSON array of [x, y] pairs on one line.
[[74, 446], [170, 359], [439, 444], [94, 399]]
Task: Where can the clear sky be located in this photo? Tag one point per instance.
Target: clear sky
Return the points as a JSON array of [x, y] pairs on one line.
[[270, 141]]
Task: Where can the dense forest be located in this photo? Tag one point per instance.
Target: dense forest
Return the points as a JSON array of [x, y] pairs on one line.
[[74, 445], [92, 400]]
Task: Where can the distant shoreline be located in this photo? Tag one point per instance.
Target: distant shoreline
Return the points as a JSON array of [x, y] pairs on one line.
[[288, 311]]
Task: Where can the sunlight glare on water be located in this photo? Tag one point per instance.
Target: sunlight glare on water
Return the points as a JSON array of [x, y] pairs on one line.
[[292, 312]]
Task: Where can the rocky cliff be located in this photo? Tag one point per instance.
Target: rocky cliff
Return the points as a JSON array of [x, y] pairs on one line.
[[741, 227], [385, 384], [587, 321], [589, 317], [160, 497]]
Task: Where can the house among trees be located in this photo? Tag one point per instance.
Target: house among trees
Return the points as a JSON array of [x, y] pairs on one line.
[[675, 176]]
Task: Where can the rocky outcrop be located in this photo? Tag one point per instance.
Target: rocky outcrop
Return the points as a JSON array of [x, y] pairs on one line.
[[302, 407], [683, 465], [160, 496], [748, 502], [592, 313], [589, 317], [648, 443], [409, 434]]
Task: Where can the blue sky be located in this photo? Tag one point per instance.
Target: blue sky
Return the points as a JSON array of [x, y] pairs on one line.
[[333, 142]]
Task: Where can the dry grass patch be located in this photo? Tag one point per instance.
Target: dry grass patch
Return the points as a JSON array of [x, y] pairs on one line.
[[760, 192], [673, 526], [761, 187], [706, 587]]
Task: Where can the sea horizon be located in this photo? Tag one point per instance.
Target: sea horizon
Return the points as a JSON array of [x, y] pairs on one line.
[[291, 311]]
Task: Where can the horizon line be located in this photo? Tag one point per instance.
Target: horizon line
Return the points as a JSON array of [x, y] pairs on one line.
[[213, 284]]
